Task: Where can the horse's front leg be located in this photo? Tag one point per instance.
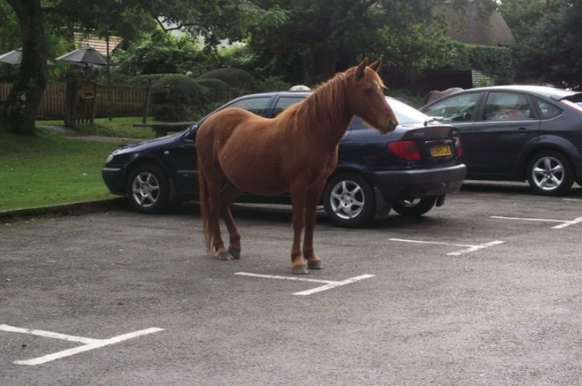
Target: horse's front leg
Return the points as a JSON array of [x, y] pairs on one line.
[[312, 199], [298, 196]]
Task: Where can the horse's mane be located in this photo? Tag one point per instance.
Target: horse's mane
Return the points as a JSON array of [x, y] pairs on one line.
[[326, 103]]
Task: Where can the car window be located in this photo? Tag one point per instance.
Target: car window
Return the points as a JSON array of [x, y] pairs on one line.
[[506, 106], [547, 110], [457, 108], [285, 102], [406, 114], [254, 105]]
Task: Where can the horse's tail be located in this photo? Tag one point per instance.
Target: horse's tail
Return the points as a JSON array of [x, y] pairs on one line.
[[205, 202]]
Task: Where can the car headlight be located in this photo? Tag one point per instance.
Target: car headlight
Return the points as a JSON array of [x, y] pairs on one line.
[[109, 158]]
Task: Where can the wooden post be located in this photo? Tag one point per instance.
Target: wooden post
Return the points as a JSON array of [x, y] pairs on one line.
[[93, 104], [72, 95], [146, 104]]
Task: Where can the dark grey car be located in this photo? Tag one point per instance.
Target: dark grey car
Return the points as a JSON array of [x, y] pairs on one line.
[[518, 133], [409, 170]]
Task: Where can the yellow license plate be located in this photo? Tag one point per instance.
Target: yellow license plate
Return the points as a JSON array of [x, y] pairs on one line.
[[440, 151]]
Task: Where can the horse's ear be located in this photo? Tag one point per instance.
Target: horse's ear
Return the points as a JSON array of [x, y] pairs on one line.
[[376, 65], [361, 70]]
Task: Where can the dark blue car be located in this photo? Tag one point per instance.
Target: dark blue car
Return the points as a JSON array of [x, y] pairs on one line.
[[409, 170], [518, 133]]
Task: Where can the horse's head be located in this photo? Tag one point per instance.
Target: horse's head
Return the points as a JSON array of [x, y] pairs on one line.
[[366, 97]]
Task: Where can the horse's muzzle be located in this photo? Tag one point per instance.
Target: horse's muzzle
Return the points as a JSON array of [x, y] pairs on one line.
[[388, 126]]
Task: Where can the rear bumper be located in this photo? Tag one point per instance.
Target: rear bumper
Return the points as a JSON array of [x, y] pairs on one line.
[[409, 184]]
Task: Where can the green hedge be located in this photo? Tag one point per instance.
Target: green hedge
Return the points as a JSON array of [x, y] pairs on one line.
[[177, 98]]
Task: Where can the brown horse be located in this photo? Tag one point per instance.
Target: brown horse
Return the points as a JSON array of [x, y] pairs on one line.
[[294, 152]]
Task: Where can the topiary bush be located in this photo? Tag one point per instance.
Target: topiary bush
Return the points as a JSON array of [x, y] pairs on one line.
[[215, 90], [177, 98], [239, 81]]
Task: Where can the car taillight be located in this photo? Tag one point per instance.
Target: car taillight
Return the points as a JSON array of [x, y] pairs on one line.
[[404, 149], [458, 147]]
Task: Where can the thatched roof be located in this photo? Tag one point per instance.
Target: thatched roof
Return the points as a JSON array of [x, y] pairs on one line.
[[470, 27]]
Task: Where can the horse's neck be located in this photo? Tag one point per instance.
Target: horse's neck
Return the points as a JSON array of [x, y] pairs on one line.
[[327, 121]]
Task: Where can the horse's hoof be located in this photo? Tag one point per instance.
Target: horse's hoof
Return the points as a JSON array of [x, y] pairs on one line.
[[300, 270], [224, 255], [315, 264], [235, 253]]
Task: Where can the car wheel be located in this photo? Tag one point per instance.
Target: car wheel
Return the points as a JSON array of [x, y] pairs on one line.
[[415, 207], [549, 173], [148, 189], [348, 200]]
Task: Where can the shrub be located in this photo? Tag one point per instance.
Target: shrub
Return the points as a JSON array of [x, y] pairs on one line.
[[177, 98], [273, 83], [215, 90], [239, 81]]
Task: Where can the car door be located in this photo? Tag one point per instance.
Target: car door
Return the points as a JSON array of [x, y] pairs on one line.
[[505, 122]]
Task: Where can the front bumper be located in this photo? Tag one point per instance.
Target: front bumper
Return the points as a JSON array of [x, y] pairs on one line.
[[113, 178]]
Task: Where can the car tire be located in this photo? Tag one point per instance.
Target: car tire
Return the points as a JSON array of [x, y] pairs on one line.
[[148, 189], [415, 207], [349, 200], [550, 173]]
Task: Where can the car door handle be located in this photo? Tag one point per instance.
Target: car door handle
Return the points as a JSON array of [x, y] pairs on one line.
[[521, 130]]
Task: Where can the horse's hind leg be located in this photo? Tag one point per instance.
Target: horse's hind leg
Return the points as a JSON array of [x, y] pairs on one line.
[[227, 196], [214, 212]]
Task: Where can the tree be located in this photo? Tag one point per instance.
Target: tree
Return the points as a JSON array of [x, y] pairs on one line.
[[521, 15], [550, 52], [321, 37], [212, 19], [18, 115]]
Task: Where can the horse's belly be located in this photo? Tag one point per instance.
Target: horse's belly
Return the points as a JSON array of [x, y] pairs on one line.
[[259, 184], [254, 174]]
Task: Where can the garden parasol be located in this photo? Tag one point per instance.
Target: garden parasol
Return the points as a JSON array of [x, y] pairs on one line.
[[14, 57], [87, 56]]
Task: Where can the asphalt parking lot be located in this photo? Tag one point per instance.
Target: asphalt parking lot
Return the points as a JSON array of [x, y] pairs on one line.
[[485, 290]]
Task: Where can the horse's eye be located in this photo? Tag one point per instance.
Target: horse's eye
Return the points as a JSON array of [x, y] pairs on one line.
[[368, 91]]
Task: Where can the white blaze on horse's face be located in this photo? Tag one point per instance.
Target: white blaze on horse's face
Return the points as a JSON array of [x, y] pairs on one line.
[[369, 102]]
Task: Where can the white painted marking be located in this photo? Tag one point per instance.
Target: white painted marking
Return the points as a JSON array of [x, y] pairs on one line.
[[469, 248], [295, 278], [564, 223], [89, 344], [476, 248], [329, 284], [48, 334], [333, 285], [568, 223]]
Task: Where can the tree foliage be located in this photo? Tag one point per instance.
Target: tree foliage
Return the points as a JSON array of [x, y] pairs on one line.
[[521, 15], [551, 51], [213, 19]]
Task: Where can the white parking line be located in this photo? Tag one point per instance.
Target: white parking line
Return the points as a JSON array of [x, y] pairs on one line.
[[329, 284], [564, 223], [469, 248], [89, 343]]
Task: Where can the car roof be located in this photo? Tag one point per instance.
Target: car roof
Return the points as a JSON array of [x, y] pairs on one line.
[[546, 91]]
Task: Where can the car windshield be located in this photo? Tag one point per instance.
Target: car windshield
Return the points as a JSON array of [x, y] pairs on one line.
[[406, 114]]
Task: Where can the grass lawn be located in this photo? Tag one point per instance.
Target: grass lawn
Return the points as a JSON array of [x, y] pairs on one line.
[[117, 127], [52, 169]]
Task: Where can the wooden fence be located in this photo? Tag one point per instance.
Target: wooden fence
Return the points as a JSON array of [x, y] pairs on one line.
[[125, 101]]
